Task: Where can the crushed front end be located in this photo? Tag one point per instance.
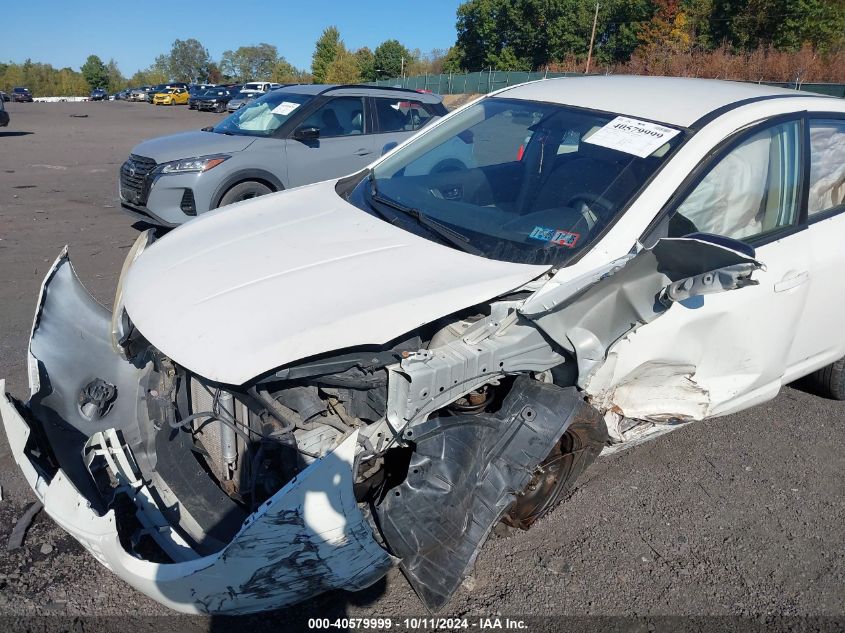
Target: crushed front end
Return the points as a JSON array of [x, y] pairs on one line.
[[326, 471], [117, 464]]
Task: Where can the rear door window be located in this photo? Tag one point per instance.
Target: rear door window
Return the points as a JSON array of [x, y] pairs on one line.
[[827, 166], [401, 115]]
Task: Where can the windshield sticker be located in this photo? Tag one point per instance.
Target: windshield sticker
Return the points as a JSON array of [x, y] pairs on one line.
[[557, 237], [631, 136], [285, 108]]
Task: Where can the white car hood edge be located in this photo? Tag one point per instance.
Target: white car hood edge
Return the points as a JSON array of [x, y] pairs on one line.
[[261, 284]]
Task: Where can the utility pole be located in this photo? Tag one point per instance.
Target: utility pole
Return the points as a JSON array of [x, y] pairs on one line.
[[592, 39], [403, 67]]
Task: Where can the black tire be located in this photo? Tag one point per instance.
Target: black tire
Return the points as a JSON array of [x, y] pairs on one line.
[[244, 191], [829, 381], [579, 447]]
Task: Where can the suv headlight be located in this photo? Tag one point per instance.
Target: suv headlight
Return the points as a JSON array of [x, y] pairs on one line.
[[204, 163]]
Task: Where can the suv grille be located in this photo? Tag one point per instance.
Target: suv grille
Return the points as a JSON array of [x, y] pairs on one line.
[[133, 179]]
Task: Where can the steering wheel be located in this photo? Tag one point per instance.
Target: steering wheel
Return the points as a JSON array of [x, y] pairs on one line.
[[603, 211]]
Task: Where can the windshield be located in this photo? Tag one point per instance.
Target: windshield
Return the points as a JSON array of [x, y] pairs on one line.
[[263, 116], [215, 93], [518, 180]]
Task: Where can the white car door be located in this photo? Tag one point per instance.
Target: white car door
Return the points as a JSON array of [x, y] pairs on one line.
[[820, 340], [715, 354]]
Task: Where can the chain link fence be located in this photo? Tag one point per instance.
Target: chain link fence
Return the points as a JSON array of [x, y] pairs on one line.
[[468, 83], [488, 81]]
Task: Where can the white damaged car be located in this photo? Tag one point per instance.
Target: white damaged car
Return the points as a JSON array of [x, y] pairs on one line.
[[305, 389]]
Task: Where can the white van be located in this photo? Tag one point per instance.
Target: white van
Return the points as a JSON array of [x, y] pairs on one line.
[[255, 87]]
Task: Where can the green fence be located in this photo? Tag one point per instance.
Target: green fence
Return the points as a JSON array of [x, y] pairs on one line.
[[488, 81], [467, 83]]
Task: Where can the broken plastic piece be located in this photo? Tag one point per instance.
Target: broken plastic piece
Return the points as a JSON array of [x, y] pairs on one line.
[[19, 531], [464, 475]]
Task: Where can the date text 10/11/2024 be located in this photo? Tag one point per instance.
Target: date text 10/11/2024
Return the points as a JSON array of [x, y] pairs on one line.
[[434, 624]]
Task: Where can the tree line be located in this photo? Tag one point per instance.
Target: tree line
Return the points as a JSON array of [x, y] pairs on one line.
[[768, 40], [739, 39]]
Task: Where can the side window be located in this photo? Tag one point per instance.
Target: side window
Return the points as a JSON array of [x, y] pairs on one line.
[[752, 190], [400, 115], [341, 116], [827, 166]]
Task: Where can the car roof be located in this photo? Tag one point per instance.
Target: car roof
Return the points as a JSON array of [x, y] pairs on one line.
[[358, 89], [678, 101]]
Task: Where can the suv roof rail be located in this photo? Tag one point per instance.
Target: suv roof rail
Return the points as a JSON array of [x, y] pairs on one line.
[[393, 88]]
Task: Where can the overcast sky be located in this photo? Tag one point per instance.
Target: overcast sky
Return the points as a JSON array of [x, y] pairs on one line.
[[64, 32]]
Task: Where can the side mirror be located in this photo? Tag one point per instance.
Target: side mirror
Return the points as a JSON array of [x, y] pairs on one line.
[[306, 133], [388, 146]]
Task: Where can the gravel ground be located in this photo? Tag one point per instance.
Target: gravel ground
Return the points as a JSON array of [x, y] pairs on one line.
[[739, 521]]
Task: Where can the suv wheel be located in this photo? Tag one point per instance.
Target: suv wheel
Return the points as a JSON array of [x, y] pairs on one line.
[[244, 191]]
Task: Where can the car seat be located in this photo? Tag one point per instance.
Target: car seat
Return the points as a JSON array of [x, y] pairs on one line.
[[331, 125], [357, 122]]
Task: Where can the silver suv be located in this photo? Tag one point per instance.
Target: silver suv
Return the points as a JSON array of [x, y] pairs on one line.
[[289, 137]]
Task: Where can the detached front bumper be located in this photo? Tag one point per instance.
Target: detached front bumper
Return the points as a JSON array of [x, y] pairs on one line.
[[307, 538]]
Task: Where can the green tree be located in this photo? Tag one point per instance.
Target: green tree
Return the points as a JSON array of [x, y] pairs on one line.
[[366, 64], [189, 60], [538, 32], [507, 60], [452, 60], [782, 24], [250, 63], [325, 50], [390, 57], [95, 72], [344, 68], [116, 80], [286, 73]]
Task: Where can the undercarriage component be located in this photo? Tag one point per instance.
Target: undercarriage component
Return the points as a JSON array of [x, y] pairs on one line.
[[462, 478], [430, 379], [581, 444]]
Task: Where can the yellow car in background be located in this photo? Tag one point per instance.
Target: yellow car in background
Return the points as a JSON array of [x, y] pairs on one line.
[[171, 96]]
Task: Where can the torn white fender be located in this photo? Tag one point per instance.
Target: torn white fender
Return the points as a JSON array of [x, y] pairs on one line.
[[656, 390], [307, 538], [588, 321]]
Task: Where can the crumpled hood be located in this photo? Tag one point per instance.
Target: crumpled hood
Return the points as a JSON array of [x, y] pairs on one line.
[[190, 145], [257, 285]]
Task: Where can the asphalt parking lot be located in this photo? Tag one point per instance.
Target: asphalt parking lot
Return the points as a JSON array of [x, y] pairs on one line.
[[738, 516]]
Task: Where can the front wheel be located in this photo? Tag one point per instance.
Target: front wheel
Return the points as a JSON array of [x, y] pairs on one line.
[[829, 381], [579, 447], [244, 191]]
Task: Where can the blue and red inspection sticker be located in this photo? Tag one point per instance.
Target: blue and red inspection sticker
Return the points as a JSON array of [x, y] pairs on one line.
[[558, 237]]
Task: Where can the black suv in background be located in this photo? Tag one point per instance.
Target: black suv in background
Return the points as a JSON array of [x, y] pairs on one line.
[[99, 94], [19, 95], [214, 99]]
